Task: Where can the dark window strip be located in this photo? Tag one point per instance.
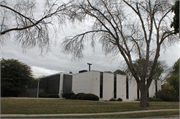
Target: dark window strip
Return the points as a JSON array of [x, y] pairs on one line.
[[101, 84], [127, 88], [137, 93], [115, 83], [156, 88]]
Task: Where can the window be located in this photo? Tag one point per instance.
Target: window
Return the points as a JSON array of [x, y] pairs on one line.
[[137, 92], [115, 80], [127, 88], [101, 84]]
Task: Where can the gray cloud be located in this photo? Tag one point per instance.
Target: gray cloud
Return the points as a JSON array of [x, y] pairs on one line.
[[55, 61]]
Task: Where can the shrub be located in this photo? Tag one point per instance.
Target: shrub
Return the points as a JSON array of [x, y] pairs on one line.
[[67, 95], [153, 99], [158, 99], [112, 99], [73, 97], [53, 95], [50, 95], [76, 95], [119, 99], [165, 95], [90, 97], [79, 96], [42, 94], [137, 100]]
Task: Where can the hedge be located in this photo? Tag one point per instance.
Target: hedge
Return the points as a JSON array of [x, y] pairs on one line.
[[152, 99], [67, 95], [80, 96], [112, 99], [119, 99], [73, 97], [50, 95], [90, 97], [76, 95]]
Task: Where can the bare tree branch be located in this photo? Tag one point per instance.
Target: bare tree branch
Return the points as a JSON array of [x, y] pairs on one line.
[[31, 32], [17, 13], [139, 15], [137, 33]]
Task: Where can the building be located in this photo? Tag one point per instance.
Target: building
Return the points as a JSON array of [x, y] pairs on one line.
[[55, 83], [104, 85], [109, 85]]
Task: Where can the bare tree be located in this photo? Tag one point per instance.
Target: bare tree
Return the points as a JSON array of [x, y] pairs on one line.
[[21, 19], [134, 29]]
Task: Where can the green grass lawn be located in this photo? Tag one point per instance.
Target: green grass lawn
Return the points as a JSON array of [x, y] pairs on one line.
[[62, 106]]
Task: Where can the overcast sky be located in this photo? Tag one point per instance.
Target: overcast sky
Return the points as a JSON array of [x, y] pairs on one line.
[[55, 61]]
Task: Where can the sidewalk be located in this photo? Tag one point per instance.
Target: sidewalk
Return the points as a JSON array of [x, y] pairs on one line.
[[81, 114], [162, 117]]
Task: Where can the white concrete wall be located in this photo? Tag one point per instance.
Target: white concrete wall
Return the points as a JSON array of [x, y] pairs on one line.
[[96, 83], [132, 89], [158, 85], [121, 86], [89, 82], [152, 89], [82, 83], [108, 86], [61, 85]]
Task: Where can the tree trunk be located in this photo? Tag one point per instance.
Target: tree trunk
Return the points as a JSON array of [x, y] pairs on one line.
[[143, 101]]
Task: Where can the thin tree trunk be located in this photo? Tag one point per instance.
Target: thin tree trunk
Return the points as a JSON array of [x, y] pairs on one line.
[[143, 101]]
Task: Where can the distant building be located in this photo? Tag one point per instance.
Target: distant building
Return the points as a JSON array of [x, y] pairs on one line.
[[104, 85]]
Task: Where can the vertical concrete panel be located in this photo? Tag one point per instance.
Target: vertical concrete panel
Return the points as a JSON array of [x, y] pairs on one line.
[[152, 89], [132, 89], [61, 84], [158, 85], [82, 83], [121, 86], [96, 83], [108, 86]]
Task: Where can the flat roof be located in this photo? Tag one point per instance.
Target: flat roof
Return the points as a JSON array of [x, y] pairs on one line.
[[76, 74], [53, 75], [97, 71]]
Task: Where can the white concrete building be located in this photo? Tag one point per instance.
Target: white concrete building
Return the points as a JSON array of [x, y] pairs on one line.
[[104, 85], [109, 85]]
